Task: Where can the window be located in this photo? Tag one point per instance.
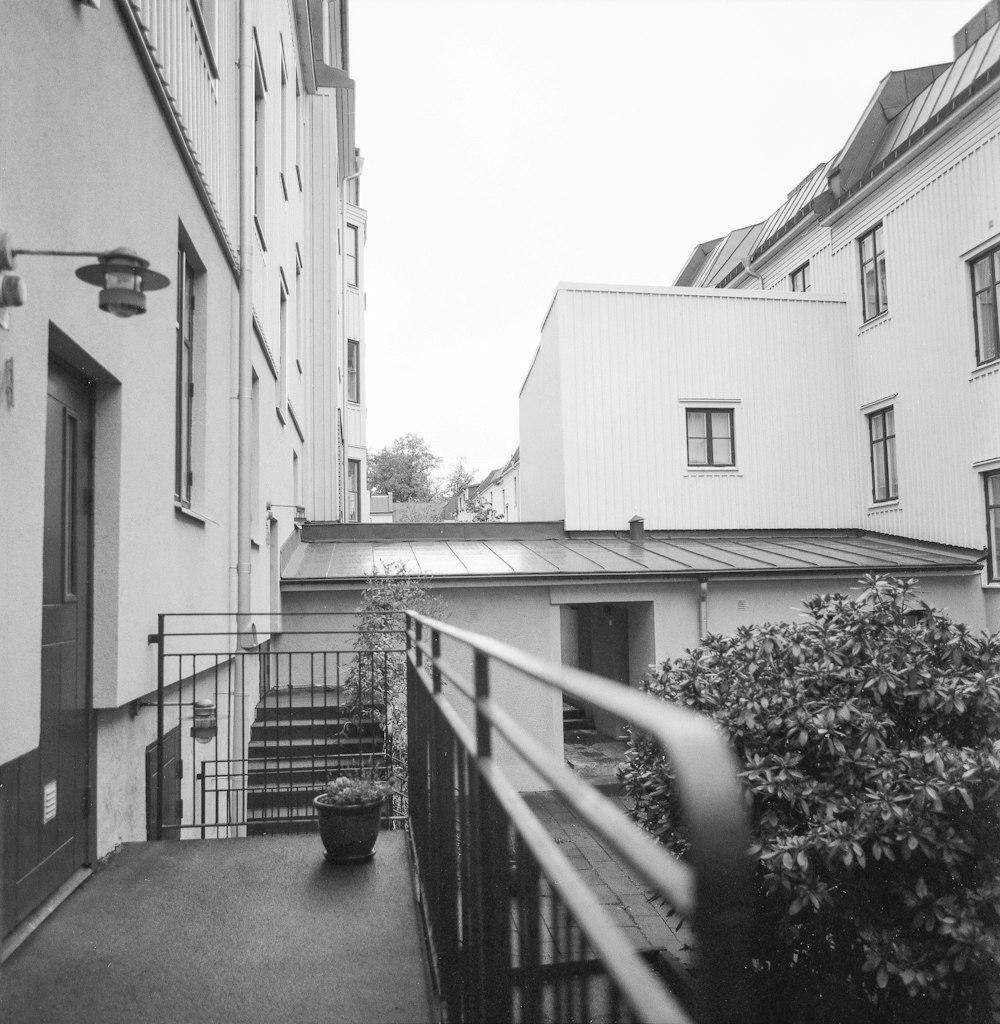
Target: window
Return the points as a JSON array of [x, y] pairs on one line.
[[185, 374], [874, 300], [353, 491], [882, 439], [351, 256], [800, 278], [283, 121], [985, 292], [282, 343], [259, 142], [992, 481], [353, 372], [710, 437]]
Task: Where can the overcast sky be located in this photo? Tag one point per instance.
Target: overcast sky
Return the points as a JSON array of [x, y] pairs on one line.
[[513, 144]]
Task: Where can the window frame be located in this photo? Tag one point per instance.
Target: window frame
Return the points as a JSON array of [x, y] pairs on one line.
[[801, 274], [876, 234], [351, 256], [354, 375], [992, 526], [709, 412], [992, 258], [184, 384], [888, 454], [354, 490]]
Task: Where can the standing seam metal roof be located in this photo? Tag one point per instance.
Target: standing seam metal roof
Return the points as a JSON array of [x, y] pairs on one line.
[[566, 556]]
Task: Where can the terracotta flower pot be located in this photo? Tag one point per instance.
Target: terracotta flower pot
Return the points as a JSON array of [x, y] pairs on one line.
[[348, 831]]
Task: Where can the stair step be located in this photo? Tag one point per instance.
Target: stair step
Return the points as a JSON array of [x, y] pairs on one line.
[[309, 771], [310, 746], [335, 732]]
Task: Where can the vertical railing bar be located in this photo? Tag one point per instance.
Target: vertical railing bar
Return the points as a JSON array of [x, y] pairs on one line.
[[161, 782]]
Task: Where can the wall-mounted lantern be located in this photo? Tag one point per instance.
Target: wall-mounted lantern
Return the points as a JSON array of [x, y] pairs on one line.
[[205, 720], [122, 275]]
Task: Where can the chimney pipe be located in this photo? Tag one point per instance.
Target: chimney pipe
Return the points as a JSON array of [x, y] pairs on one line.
[[636, 528]]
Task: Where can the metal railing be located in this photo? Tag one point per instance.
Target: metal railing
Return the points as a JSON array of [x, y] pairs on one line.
[[515, 933], [273, 715]]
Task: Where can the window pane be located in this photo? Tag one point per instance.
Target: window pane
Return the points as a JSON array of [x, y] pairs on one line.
[[891, 459], [869, 292], [722, 452], [867, 249], [993, 488], [878, 430], [697, 452], [721, 425], [696, 424], [878, 468], [878, 239], [981, 273], [986, 324], [890, 421], [996, 266], [883, 295]]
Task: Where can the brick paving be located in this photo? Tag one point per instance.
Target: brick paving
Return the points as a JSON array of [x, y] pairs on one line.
[[630, 904]]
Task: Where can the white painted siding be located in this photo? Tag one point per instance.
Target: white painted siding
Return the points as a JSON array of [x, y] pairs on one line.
[[542, 482], [633, 361]]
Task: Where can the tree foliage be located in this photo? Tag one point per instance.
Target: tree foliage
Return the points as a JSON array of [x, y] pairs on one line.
[[869, 737], [405, 468], [378, 680], [457, 480], [480, 510]]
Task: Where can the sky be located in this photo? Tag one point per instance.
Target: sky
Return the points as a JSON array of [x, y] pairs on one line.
[[513, 144]]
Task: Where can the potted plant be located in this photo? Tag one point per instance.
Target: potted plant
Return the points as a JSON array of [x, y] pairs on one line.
[[350, 813]]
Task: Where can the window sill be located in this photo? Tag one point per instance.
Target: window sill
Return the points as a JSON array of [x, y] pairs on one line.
[[885, 506], [260, 232], [876, 321], [985, 370], [696, 471], [183, 512]]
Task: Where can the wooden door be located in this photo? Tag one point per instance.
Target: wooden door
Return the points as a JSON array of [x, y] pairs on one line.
[[48, 814]]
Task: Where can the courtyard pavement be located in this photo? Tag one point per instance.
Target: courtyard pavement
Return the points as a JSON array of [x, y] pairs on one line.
[[244, 930]]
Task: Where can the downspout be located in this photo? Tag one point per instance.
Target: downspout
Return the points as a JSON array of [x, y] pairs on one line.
[[702, 608], [753, 273], [244, 446]]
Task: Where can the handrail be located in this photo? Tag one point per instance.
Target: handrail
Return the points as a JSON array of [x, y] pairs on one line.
[[711, 888]]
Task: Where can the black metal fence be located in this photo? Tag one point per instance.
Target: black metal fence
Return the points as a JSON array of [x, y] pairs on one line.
[[266, 718], [515, 933]]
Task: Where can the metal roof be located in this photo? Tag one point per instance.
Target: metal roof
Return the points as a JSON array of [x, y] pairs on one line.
[[457, 551], [941, 93]]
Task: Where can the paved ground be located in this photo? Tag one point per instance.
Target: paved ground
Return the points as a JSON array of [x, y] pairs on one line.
[[254, 931], [596, 757]]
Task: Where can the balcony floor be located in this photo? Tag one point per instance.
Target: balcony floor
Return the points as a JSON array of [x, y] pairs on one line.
[[247, 930]]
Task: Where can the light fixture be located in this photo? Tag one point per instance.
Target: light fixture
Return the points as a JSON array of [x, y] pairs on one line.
[[122, 275], [205, 723]]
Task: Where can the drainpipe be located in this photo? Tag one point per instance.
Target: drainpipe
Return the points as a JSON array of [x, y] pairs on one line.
[[702, 608], [244, 409], [753, 273]]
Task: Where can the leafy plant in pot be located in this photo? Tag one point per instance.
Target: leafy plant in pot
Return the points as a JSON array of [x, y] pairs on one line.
[[350, 814]]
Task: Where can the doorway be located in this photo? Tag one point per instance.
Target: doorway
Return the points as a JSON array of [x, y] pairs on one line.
[[48, 815], [613, 640]]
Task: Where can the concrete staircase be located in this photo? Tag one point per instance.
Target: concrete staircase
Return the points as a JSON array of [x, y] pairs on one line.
[[302, 737]]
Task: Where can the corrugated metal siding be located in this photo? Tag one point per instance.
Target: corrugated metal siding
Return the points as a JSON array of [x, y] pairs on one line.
[[629, 359], [544, 471], [321, 257]]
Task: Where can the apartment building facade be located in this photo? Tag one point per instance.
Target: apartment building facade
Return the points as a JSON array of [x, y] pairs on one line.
[[832, 366], [157, 463]]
